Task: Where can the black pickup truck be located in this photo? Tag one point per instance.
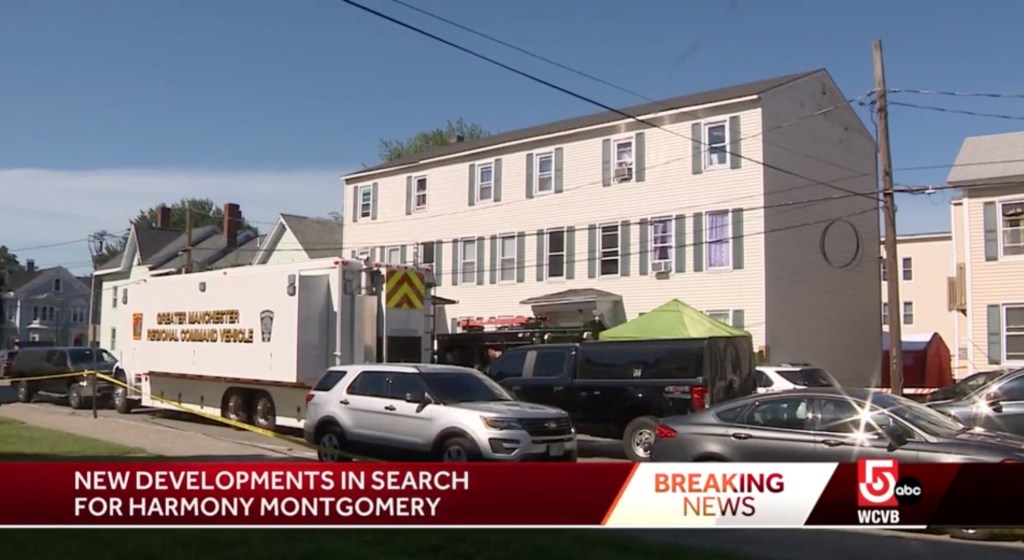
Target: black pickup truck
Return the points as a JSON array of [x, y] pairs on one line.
[[618, 389]]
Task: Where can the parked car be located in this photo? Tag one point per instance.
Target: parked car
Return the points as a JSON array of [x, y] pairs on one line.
[[42, 361], [440, 412], [828, 425], [997, 406], [965, 386], [6, 360], [785, 377], [619, 389]]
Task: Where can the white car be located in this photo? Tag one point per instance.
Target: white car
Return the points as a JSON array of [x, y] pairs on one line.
[[784, 377]]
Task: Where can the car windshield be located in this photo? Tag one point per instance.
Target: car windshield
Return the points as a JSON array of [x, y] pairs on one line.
[[807, 377], [922, 417], [983, 388], [453, 387], [84, 356]]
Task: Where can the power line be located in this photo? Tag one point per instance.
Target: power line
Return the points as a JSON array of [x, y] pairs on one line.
[[957, 93], [958, 111], [582, 97], [65, 243]]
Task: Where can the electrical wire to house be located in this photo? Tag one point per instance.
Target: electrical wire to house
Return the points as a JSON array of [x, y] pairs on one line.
[[958, 111]]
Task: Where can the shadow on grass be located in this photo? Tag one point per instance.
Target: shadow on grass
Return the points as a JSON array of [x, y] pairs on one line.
[[49, 458]]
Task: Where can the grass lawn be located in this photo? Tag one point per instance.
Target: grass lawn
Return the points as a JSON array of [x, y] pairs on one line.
[[354, 544], [24, 442]]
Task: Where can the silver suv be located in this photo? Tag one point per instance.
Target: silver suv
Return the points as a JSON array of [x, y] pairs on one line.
[[446, 413]]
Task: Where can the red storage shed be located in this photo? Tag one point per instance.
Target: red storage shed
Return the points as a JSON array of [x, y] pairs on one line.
[[926, 363]]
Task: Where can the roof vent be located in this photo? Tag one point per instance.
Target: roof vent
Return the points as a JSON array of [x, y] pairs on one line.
[[455, 139]]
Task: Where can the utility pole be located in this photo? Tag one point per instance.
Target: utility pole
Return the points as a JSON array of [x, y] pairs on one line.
[[96, 245], [188, 238], [891, 257]]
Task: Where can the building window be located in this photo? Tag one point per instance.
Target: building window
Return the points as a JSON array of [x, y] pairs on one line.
[[623, 155], [662, 244], [393, 255], [719, 243], [35, 312], [1012, 225], [427, 253], [716, 139], [885, 270], [467, 260], [364, 254], [545, 172], [720, 315], [420, 194], [908, 313], [1013, 333], [365, 201], [114, 303], [556, 254], [507, 258], [56, 284], [908, 269], [610, 250], [485, 182], [885, 313]]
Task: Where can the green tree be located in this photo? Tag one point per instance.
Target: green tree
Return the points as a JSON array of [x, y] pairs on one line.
[[7, 258], [204, 212], [390, 150]]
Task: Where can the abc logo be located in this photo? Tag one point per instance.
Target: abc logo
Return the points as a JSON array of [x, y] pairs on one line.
[[908, 491]]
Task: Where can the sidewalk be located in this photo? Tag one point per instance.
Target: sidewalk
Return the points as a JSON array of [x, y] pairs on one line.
[[154, 438]]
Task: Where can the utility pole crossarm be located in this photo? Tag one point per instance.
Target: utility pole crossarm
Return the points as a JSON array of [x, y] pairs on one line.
[[891, 256]]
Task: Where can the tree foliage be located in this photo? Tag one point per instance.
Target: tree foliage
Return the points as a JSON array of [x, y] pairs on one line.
[[390, 150], [205, 212], [7, 258]]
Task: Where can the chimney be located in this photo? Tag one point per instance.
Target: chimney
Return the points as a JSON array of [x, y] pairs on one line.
[[30, 265], [232, 221], [456, 139], [163, 217]]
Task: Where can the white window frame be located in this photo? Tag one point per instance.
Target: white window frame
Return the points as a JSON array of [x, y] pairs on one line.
[[1002, 228], [885, 314], [562, 255], [655, 264], [397, 249], [35, 313], [538, 175], [601, 251], [883, 267], [114, 303], [417, 193], [502, 258], [616, 163], [423, 251], [368, 203], [364, 254], [903, 315], [480, 183], [720, 312], [1006, 334], [904, 269], [57, 285], [709, 164], [467, 263], [707, 240]]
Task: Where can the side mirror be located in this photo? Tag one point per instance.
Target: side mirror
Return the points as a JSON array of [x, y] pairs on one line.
[[994, 400], [423, 400], [897, 437]]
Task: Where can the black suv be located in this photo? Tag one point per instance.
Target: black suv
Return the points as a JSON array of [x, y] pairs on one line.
[[56, 360]]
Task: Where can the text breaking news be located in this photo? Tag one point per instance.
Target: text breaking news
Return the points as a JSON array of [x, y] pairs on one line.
[[871, 493]]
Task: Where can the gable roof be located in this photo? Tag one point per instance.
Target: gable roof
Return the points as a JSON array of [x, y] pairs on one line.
[[241, 256], [149, 240], [209, 249], [170, 253], [13, 279], [989, 158], [594, 119], [318, 237]]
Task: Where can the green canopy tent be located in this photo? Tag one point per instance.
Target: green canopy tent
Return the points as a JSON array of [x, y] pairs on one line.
[[673, 320]]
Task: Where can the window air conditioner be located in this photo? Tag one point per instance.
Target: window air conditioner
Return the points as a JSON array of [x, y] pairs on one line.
[[661, 266], [623, 173]]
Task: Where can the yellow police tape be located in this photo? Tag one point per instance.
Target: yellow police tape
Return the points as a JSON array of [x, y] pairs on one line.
[[208, 416]]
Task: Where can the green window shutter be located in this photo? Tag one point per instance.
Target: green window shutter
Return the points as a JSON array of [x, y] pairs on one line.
[[456, 249], [408, 195], [570, 253], [529, 175], [521, 257], [624, 247], [471, 194], [991, 226], [738, 317], [541, 263], [494, 259], [698, 242], [402, 254], [645, 244], [438, 260], [606, 162], [497, 180], [639, 158], [737, 238], [355, 204], [679, 231], [373, 202], [481, 254], [735, 156], [995, 333], [696, 149], [558, 170], [592, 251]]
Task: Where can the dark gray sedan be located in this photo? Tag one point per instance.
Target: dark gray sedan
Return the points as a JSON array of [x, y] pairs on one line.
[[998, 406], [827, 425]]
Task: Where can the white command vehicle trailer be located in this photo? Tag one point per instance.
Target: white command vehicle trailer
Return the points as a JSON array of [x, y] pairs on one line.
[[247, 343]]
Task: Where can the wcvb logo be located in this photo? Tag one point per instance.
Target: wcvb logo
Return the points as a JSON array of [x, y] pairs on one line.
[[879, 485]]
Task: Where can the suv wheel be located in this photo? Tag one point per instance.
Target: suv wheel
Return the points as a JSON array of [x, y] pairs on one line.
[[638, 438], [122, 404], [75, 398], [458, 450], [330, 446], [25, 393]]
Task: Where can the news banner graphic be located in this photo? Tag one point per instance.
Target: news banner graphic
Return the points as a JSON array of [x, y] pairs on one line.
[[876, 493]]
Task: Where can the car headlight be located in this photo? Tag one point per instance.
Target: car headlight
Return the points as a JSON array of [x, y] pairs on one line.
[[501, 423]]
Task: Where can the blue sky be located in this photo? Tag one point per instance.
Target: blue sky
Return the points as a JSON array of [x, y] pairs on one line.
[[108, 106]]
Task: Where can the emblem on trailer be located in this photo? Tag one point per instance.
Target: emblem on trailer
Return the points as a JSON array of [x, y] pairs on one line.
[[137, 326], [266, 324]]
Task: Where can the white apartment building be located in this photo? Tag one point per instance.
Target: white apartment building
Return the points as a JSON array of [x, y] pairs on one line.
[[923, 276], [609, 215]]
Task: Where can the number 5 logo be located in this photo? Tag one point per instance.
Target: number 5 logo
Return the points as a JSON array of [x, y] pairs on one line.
[[876, 482]]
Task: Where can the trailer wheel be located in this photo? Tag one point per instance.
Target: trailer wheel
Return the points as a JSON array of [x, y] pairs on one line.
[[263, 412], [236, 406]]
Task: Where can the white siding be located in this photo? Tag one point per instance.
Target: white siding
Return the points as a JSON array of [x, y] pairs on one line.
[[818, 313], [930, 257], [286, 250], [669, 189]]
